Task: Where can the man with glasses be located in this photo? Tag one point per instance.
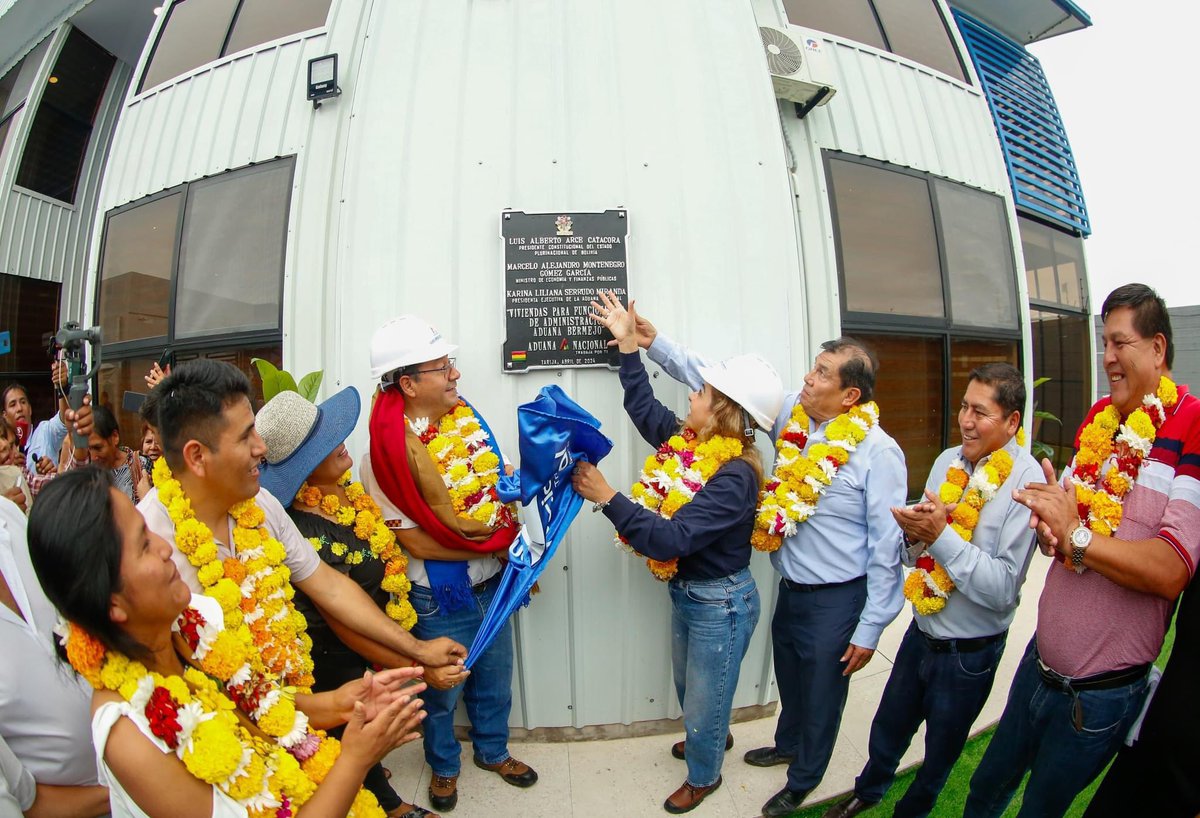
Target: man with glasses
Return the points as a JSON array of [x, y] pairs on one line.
[[433, 468]]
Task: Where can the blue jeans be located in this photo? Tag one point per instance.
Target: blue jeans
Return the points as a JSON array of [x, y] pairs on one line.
[[1037, 732], [712, 621], [487, 692], [944, 690], [809, 634]]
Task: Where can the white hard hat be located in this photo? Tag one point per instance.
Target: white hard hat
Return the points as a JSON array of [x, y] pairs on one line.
[[405, 341], [750, 382]]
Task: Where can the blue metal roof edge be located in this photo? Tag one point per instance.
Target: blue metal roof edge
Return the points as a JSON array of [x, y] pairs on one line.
[[1074, 10]]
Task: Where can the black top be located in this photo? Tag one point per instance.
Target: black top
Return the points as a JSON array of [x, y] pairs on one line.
[[711, 534], [368, 574]]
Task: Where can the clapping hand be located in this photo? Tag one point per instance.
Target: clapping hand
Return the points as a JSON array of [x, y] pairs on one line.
[[924, 522], [375, 691]]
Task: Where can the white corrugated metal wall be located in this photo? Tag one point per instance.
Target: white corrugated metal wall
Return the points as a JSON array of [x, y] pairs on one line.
[[41, 237], [455, 110]]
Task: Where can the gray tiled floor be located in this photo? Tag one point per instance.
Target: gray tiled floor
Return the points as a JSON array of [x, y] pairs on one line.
[[629, 778]]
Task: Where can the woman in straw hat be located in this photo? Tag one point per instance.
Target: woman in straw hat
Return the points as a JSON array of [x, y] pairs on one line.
[[308, 471], [691, 514]]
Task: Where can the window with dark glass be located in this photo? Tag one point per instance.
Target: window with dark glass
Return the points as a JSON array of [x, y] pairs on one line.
[[29, 310], [197, 269], [231, 252], [911, 28], [62, 126], [928, 278], [197, 32], [1056, 276]]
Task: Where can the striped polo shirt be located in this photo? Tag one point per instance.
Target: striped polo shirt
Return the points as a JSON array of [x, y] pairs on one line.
[[1087, 624]]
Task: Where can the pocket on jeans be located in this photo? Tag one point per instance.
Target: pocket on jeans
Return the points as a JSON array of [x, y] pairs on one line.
[[708, 594], [978, 663], [423, 602], [1105, 711]]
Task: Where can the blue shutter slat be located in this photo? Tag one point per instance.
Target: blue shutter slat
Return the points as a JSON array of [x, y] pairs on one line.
[[1037, 153]]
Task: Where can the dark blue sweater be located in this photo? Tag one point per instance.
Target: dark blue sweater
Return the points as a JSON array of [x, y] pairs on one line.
[[711, 534]]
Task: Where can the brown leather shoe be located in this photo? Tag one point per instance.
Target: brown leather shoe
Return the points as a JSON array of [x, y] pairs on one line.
[[443, 792], [687, 797], [514, 772], [679, 749]]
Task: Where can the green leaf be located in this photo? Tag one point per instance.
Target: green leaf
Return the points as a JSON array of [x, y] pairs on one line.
[[310, 384], [1041, 381], [269, 375], [1040, 450], [1044, 415], [286, 382]]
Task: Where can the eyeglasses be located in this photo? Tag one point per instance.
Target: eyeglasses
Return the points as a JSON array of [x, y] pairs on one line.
[[443, 369]]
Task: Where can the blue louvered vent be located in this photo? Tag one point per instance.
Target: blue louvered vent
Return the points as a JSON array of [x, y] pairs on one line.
[[1036, 151]]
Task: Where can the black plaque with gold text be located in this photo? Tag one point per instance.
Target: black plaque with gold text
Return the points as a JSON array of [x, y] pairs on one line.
[[553, 265]]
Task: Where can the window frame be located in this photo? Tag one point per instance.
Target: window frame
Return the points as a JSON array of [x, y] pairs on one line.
[[887, 322], [956, 47], [120, 350], [222, 57]]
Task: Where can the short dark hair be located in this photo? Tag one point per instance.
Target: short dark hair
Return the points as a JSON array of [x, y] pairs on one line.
[[191, 400], [148, 411], [103, 422], [1150, 316], [75, 548], [1007, 383], [860, 368], [11, 386]]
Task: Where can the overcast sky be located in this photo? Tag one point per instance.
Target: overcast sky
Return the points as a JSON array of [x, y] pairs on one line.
[[1123, 89]]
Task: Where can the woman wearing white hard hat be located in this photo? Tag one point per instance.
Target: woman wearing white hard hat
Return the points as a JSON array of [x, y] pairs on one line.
[[691, 513]]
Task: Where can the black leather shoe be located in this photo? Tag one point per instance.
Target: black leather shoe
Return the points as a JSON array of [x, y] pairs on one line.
[[679, 750], [766, 757], [851, 806], [784, 802]]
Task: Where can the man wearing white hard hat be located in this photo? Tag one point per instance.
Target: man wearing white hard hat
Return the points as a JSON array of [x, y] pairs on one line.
[[826, 518], [691, 514], [433, 468]]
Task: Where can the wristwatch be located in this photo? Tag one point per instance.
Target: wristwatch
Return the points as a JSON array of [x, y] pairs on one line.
[[1081, 538]]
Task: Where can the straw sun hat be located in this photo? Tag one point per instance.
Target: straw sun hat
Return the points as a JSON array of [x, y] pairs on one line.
[[299, 435]]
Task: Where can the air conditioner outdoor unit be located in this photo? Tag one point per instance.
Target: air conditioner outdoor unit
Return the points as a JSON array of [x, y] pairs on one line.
[[796, 61]]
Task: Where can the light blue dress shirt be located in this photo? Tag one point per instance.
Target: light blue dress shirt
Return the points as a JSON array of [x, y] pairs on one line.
[[47, 438], [989, 570], [852, 533]]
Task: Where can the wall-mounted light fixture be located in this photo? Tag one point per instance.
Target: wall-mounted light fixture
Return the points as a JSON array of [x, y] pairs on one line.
[[322, 79]]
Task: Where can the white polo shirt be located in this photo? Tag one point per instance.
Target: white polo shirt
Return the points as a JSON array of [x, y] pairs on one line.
[[301, 558]]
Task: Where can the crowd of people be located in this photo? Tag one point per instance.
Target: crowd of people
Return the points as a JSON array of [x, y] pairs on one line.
[[252, 630]]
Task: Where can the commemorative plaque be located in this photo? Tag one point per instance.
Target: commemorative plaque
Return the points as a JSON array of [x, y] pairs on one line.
[[553, 265]]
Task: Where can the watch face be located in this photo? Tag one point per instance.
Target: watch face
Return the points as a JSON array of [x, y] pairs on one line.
[[1081, 537]]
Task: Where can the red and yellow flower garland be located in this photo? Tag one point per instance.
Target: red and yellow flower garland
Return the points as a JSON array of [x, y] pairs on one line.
[[366, 518], [800, 478], [670, 479], [467, 464], [192, 718], [1100, 495], [929, 586]]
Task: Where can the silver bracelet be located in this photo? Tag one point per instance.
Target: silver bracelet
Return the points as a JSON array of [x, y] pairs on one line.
[[600, 506]]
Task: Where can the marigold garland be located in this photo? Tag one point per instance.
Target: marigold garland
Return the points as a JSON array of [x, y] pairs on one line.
[[367, 520], [193, 719], [801, 477], [1100, 494], [264, 635], [670, 479], [468, 466], [929, 586]]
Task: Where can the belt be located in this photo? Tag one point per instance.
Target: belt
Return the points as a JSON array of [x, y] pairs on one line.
[[1100, 681], [824, 586], [960, 645]]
